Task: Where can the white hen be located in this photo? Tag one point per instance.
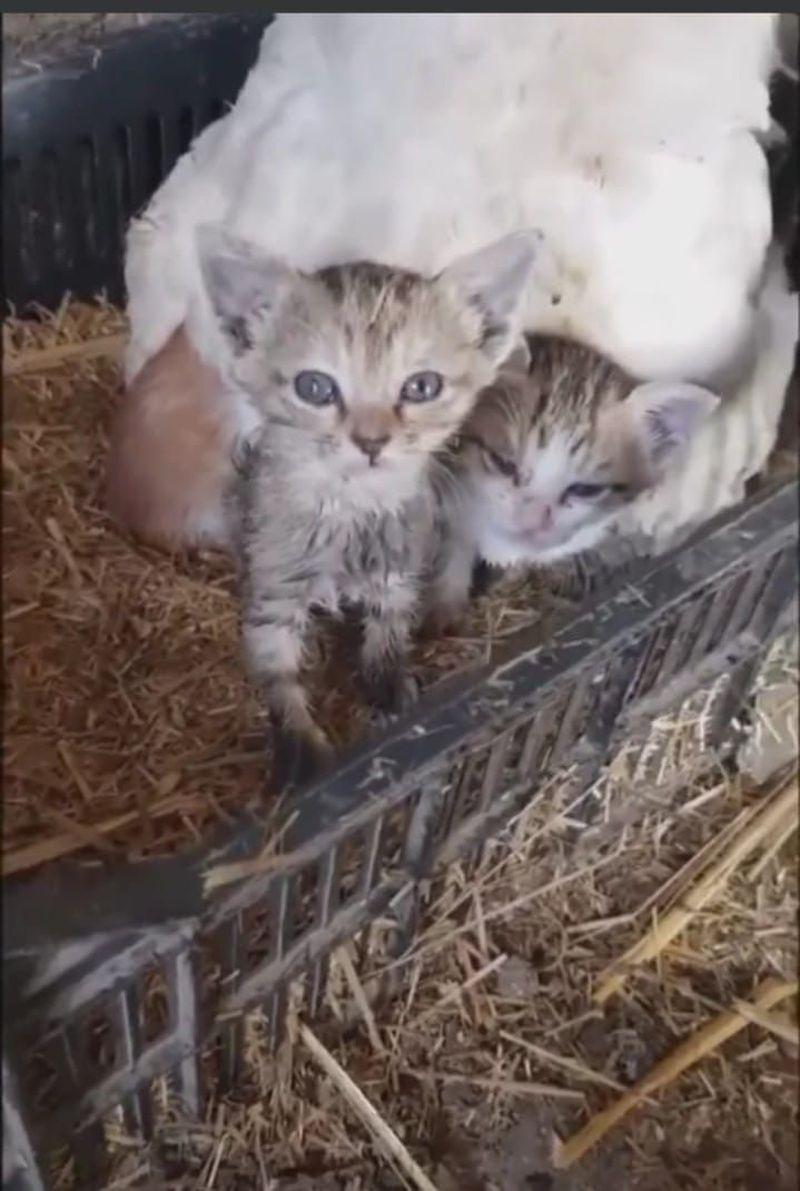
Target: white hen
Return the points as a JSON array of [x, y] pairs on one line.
[[630, 140]]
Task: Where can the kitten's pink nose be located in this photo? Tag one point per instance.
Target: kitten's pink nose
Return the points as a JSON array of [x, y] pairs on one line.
[[371, 447], [538, 517]]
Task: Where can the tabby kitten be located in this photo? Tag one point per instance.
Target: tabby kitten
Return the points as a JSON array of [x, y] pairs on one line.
[[359, 374], [557, 449]]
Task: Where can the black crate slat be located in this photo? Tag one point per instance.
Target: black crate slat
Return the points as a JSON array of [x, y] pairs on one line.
[[65, 141]]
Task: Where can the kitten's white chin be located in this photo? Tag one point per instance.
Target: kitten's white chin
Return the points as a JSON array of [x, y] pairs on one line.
[[353, 487], [505, 550]]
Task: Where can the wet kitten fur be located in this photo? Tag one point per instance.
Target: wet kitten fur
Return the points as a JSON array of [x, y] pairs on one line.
[[339, 504], [557, 448]]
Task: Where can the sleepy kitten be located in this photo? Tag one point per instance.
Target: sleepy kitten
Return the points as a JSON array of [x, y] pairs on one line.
[[555, 451], [358, 374]]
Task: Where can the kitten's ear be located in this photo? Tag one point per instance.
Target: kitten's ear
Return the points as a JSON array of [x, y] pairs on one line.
[[242, 282], [494, 279], [662, 417]]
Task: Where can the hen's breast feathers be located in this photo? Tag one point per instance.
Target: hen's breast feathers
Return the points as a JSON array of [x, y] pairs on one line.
[[413, 137], [409, 138]]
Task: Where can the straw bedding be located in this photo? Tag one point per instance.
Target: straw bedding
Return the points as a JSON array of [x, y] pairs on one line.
[[129, 730], [495, 1050]]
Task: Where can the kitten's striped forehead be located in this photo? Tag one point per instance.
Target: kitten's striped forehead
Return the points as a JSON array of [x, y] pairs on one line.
[[365, 286], [557, 401], [376, 303], [568, 384]]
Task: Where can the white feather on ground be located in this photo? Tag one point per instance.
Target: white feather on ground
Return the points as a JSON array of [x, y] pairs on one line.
[[630, 140]]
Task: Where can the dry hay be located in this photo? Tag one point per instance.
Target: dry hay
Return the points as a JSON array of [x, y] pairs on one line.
[[129, 729], [124, 696], [495, 1048]]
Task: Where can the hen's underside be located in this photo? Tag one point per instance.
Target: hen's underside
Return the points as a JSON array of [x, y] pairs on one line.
[[633, 141]]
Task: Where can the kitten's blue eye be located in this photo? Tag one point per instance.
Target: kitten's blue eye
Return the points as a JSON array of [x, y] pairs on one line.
[[422, 386], [316, 388], [584, 491]]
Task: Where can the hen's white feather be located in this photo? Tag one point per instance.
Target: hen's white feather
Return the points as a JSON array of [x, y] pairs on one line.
[[628, 139], [737, 439]]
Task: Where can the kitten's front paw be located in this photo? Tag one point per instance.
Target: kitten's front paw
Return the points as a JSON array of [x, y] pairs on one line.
[[390, 691], [299, 758], [443, 620]]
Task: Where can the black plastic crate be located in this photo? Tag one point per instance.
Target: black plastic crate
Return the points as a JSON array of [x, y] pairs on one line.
[[87, 141], [85, 144]]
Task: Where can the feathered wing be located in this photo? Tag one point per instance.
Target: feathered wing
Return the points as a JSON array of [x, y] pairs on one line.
[[630, 140], [737, 439]]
